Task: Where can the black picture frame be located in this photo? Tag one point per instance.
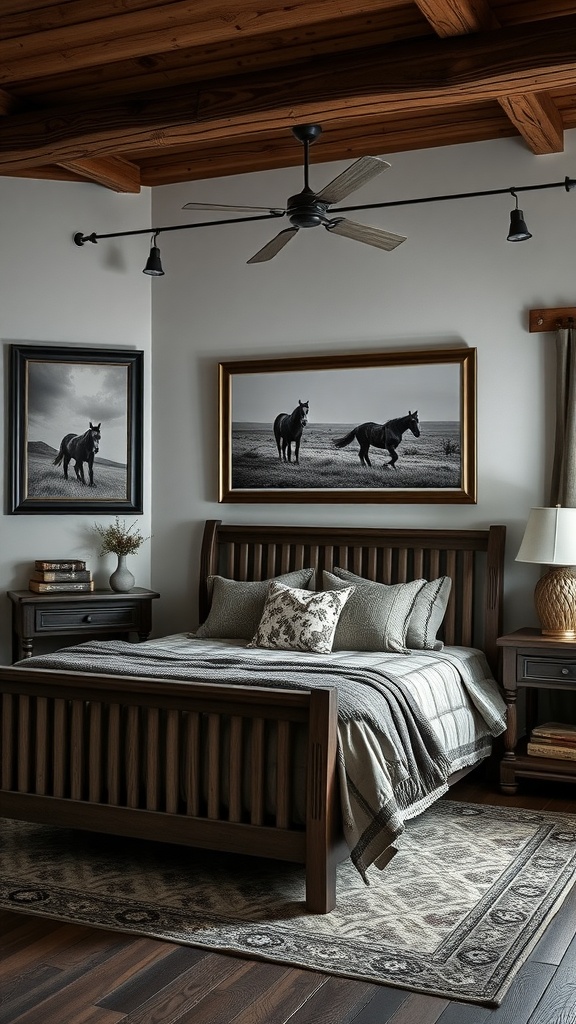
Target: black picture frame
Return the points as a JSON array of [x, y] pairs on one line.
[[436, 467], [60, 390]]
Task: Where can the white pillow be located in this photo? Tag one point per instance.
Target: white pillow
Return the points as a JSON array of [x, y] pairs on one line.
[[376, 618], [300, 620], [237, 605], [428, 614]]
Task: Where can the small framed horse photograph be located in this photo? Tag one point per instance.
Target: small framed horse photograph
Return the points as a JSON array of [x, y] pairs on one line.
[[76, 423], [392, 426]]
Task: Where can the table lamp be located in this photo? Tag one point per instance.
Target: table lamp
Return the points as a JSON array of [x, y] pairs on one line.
[[550, 539]]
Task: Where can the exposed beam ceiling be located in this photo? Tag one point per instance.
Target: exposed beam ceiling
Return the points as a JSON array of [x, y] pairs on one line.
[[128, 93]]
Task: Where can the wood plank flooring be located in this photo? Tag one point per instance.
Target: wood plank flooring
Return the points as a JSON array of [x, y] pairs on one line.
[[54, 973]]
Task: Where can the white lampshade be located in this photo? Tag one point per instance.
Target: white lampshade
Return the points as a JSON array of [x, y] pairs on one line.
[[549, 537]]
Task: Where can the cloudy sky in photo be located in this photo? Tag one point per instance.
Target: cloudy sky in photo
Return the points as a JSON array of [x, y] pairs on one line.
[[64, 398], [350, 396]]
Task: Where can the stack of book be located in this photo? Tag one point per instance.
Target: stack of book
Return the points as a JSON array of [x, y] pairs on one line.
[[553, 739], [60, 575]]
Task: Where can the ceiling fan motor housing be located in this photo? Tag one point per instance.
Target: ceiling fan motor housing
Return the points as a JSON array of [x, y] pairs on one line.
[[305, 210]]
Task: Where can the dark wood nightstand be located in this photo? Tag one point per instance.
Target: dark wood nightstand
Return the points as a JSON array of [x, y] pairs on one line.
[[80, 615], [534, 662]]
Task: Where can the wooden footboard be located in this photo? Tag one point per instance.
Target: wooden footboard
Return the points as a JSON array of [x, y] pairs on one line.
[[131, 757]]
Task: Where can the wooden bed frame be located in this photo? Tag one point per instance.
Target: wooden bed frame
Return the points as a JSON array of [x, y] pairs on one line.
[[74, 744]]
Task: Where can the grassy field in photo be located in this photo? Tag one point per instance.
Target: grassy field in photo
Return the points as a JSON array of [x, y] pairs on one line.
[[432, 460], [45, 480]]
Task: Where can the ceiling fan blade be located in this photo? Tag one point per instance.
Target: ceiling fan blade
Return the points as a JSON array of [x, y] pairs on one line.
[[274, 245], [363, 233], [229, 209], [358, 174]]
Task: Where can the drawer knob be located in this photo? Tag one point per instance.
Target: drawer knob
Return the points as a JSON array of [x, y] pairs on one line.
[[565, 671], [89, 619]]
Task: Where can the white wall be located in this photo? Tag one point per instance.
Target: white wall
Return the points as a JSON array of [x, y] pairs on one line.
[[455, 281], [53, 292]]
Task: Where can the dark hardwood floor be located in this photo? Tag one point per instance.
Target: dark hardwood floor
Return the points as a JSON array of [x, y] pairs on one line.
[[53, 973]]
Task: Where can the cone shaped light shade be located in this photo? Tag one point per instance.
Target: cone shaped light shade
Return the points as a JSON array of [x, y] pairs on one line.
[[518, 230], [550, 539], [153, 263]]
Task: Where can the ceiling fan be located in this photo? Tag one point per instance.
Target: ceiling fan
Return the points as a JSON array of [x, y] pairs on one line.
[[310, 209]]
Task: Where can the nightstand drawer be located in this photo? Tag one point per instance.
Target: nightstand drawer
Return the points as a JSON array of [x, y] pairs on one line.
[[96, 617], [100, 612], [557, 670]]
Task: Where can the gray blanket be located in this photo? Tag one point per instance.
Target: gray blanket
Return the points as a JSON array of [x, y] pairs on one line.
[[389, 756]]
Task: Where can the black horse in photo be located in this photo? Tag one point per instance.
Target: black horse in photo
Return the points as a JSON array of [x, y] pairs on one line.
[[288, 427], [81, 448], [381, 435]]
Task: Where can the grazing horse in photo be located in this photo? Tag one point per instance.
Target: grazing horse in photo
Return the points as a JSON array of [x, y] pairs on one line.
[[81, 448], [381, 435], [288, 427]]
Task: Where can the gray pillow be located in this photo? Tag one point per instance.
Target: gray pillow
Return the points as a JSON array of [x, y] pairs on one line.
[[375, 618], [237, 606], [428, 614]]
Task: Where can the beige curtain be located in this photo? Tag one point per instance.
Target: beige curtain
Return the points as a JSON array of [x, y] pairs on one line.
[[563, 482], [554, 705]]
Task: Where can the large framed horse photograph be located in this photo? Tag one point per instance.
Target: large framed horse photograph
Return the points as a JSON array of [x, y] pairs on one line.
[[76, 426], [395, 426]]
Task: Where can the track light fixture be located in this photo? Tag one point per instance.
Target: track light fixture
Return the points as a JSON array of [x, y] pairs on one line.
[[154, 264], [518, 229]]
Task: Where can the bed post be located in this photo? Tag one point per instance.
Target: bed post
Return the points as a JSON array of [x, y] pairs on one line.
[[322, 816], [208, 564], [493, 594]]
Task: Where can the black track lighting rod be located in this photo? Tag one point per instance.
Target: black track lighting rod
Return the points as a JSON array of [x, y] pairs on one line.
[[568, 184], [79, 238]]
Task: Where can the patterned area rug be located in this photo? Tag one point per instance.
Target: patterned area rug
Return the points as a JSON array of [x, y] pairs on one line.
[[455, 913]]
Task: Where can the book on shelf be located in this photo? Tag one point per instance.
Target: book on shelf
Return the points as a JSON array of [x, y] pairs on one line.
[[550, 750], [554, 730], [59, 563], [559, 733], [70, 586], [61, 575], [547, 741]]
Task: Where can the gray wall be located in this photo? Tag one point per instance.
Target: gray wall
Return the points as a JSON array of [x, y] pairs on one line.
[[456, 281], [52, 292]]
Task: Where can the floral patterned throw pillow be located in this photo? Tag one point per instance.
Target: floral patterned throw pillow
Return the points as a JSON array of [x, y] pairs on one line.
[[300, 620]]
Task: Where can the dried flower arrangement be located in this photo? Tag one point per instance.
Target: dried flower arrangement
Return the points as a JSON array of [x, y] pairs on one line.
[[119, 538]]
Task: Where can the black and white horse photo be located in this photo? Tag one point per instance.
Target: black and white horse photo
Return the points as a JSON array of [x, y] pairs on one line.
[[381, 435], [80, 448], [288, 429]]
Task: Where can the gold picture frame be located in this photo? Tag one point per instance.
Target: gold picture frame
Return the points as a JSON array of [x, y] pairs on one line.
[[393, 426]]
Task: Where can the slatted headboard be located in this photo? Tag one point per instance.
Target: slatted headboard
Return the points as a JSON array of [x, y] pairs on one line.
[[474, 559]]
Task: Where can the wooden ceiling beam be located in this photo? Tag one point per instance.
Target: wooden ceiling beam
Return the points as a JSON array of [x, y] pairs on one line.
[[198, 163], [174, 26], [115, 173], [458, 17], [382, 81], [534, 116], [7, 102], [24, 17], [538, 121], [245, 54]]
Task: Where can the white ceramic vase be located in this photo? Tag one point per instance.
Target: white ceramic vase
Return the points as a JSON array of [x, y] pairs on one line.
[[122, 579]]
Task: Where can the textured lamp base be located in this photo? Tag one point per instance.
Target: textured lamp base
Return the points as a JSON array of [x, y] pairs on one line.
[[555, 600]]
